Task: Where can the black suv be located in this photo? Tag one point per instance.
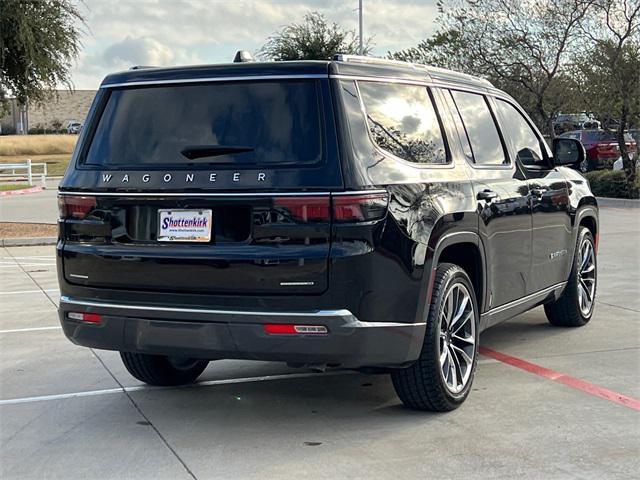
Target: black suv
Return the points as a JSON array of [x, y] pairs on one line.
[[355, 213]]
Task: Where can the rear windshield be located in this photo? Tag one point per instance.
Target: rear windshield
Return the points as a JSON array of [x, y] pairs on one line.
[[241, 124]]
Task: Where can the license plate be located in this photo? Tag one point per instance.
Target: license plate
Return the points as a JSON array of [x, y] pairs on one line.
[[184, 225]]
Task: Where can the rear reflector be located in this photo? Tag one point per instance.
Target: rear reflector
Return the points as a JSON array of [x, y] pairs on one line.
[[85, 317], [359, 208], [304, 209], [71, 206], [286, 329]]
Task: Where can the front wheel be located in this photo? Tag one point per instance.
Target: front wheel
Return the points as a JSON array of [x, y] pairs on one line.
[[441, 378], [575, 306], [161, 370]]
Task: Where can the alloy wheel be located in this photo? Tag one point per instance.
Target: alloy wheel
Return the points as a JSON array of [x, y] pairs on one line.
[[586, 277], [457, 337]]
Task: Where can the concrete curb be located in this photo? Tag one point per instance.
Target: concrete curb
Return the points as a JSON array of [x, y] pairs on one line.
[[618, 202], [22, 191], [27, 242]]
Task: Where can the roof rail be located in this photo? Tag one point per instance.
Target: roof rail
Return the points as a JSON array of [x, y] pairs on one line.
[[341, 57], [416, 66], [142, 67]]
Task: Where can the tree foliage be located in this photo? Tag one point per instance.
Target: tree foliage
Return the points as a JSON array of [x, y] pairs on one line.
[[610, 72], [39, 40], [313, 39], [522, 46]]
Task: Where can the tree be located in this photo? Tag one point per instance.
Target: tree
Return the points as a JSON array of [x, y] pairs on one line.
[[38, 42], [522, 46], [314, 39], [610, 70]]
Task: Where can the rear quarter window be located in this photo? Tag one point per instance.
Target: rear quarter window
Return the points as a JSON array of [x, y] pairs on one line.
[[403, 121], [267, 123]]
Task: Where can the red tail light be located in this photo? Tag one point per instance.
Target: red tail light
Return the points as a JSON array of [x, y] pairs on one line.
[[304, 209], [85, 317], [72, 206], [360, 207], [287, 329]]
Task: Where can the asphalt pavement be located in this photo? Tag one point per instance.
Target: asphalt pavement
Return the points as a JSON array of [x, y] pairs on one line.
[[547, 403]]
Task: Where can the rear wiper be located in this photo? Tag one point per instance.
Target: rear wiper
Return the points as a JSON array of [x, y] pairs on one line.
[[201, 151]]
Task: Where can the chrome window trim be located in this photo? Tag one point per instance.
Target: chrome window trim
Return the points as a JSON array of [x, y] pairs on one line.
[[409, 81], [218, 194], [215, 79]]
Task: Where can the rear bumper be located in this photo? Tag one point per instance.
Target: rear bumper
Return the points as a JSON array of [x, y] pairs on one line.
[[218, 334]]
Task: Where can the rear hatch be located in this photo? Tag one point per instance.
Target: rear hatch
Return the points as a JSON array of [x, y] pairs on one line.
[[213, 187]]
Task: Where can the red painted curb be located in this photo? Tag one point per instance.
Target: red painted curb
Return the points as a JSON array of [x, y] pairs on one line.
[[567, 380], [21, 191]]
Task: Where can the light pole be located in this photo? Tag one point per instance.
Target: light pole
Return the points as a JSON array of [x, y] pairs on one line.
[[361, 49]]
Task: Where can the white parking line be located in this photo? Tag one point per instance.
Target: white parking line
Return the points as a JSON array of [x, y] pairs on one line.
[[21, 292], [91, 393], [34, 329]]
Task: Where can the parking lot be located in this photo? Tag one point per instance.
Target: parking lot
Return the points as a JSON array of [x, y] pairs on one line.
[[549, 403]]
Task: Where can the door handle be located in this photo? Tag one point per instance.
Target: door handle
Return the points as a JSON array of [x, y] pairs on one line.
[[538, 192], [487, 195]]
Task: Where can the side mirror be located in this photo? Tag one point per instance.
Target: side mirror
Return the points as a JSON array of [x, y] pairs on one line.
[[567, 151]]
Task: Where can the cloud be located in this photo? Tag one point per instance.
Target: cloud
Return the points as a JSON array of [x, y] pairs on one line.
[[137, 51], [122, 33]]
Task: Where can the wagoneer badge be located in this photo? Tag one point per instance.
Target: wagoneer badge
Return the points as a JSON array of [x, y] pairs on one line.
[[188, 177]]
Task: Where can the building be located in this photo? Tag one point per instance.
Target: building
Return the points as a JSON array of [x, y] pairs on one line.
[[54, 114]]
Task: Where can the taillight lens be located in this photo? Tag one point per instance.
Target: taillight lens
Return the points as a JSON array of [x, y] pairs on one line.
[[85, 317], [77, 207], [359, 207], [304, 209]]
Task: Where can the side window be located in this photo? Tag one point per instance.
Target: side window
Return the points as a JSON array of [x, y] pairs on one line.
[[481, 128], [403, 121], [523, 137]]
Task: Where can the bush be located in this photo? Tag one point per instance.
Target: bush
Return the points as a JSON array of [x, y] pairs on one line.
[[612, 184]]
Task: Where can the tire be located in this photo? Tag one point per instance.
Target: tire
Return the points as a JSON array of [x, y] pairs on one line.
[[163, 371], [424, 385], [570, 310]]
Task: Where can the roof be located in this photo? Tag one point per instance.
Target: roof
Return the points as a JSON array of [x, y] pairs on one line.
[[341, 65]]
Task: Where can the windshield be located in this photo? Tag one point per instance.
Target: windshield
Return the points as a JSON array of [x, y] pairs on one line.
[[265, 123]]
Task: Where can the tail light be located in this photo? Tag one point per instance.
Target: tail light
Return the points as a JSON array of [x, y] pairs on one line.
[[360, 207], [76, 207], [304, 209], [346, 208], [85, 317], [287, 329]]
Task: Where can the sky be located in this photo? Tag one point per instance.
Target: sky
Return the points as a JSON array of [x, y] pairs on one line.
[[122, 33]]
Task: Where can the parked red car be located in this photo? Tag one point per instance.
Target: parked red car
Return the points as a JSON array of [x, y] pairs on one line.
[[601, 146]]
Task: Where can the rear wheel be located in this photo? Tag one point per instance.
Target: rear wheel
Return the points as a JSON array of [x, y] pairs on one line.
[[575, 306], [441, 378], [160, 370]]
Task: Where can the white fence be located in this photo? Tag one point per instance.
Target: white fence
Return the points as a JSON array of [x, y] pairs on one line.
[[24, 171]]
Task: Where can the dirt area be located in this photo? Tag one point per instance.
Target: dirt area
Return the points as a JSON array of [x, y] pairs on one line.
[[27, 230]]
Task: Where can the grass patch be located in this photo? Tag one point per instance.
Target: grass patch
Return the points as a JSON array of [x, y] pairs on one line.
[[13, 145], [56, 163], [12, 186]]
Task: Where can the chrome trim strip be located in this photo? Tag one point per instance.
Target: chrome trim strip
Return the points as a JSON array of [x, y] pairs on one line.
[[349, 318], [218, 194], [316, 313], [522, 300], [214, 79]]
